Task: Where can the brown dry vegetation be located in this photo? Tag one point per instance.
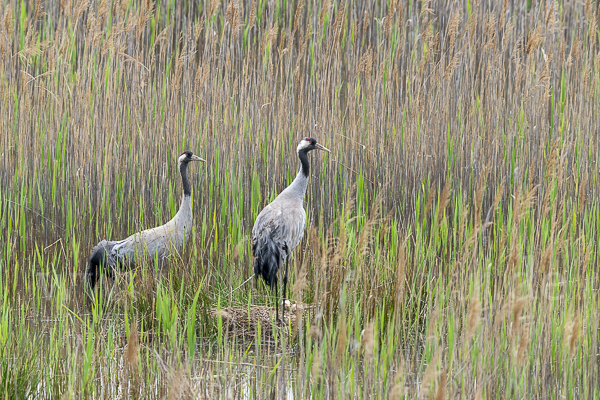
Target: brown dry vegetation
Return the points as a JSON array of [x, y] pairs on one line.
[[451, 249]]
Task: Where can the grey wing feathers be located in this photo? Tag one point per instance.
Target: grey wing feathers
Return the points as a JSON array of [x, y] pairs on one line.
[[284, 226], [275, 235], [145, 244]]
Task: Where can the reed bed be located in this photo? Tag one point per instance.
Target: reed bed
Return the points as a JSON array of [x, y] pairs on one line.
[[451, 248]]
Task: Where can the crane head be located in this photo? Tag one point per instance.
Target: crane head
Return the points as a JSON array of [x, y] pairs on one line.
[[308, 144], [188, 156]]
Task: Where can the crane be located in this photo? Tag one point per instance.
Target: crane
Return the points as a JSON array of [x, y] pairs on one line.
[[156, 243], [280, 225]]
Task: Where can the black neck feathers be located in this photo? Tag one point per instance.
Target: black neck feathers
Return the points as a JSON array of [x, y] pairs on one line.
[[187, 190], [303, 156]]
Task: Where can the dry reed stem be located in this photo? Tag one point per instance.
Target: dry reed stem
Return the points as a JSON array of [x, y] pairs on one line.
[[441, 392], [132, 350], [430, 375], [474, 315]]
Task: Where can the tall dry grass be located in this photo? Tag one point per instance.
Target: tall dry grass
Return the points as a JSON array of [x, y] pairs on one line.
[[451, 248]]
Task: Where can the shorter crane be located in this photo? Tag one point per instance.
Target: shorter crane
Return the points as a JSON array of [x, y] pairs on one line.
[[149, 244], [279, 227]]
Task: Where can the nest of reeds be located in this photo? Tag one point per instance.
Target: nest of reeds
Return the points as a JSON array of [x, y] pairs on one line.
[[245, 322]]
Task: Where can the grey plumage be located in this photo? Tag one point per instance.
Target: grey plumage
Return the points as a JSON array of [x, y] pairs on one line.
[[277, 232], [156, 243], [279, 227]]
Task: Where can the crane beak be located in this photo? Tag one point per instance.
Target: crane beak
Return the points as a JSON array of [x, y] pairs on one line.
[[320, 147], [196, 158]]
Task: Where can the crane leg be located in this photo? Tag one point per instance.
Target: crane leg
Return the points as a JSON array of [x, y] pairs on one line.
[[285, 280], [276, 300]]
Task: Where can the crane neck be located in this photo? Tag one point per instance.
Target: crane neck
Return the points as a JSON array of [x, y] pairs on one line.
[[183, 219], [187, 190], [298, 187], [304, 164]]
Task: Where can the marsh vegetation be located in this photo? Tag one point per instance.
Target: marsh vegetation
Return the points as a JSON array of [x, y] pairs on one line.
[[451, 246]]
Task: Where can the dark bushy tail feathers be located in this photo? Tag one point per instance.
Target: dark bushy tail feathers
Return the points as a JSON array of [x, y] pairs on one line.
[[100, 258], [97, 261], [267, 258]]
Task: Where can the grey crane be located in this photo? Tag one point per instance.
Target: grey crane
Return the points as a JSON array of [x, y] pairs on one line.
[[156, 243], [280, 225]]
